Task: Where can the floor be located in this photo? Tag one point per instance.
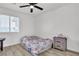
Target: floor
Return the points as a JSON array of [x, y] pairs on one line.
[[17, 50]]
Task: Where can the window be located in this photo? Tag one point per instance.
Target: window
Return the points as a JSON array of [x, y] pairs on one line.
[[14, 24], [9, 23], [4, 23]]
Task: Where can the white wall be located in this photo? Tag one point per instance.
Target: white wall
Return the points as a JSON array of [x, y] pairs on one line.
[[64, 20], [26, 27]]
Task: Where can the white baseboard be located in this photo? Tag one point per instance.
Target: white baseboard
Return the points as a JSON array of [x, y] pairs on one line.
[[6, 45]]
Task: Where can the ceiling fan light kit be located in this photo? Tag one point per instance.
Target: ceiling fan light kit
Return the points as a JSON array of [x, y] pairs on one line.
[[32, 5]]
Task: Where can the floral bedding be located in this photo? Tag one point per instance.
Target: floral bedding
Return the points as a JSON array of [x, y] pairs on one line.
[[35, 44]]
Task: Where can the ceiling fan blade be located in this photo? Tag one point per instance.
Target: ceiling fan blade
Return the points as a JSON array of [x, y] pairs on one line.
[[38, 7], [32, 3], [31, 10], [24, 6]]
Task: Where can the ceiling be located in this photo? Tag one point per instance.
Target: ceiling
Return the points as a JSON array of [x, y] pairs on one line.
[[47, 7]]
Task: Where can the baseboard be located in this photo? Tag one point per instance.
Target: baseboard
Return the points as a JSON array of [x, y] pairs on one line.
[[11, 44], [72, 51]]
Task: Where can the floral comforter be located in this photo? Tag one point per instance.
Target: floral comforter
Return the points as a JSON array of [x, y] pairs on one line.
[[35, 44]]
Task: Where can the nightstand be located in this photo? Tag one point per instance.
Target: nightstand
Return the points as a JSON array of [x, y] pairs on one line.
[[60, 43]]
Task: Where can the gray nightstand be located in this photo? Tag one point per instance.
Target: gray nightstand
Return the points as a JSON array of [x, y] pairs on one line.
[[60, 43]]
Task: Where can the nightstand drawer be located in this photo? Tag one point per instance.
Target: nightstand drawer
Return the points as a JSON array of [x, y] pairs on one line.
[[60, 43]]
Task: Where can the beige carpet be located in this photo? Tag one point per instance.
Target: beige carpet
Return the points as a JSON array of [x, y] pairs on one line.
[[17, 50]]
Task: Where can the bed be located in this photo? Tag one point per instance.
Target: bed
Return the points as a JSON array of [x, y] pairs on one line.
[[35, 44]]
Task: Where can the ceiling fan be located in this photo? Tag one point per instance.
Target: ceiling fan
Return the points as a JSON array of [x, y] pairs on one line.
[[32, 5]]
